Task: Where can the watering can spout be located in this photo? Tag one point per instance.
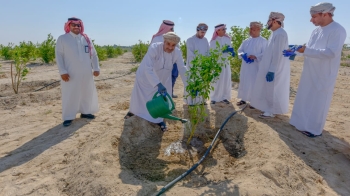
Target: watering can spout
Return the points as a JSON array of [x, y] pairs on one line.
[[174, 118]]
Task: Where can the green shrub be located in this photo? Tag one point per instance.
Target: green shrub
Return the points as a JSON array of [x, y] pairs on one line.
[[118, 51], [139, 50], [7, 51], [183, 49], [205, 70], [19, 68], [47, 49], [28, 50]]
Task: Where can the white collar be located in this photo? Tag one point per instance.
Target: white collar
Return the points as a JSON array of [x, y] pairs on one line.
[[74, 35]]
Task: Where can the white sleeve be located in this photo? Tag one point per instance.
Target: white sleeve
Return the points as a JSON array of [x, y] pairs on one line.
[[94, 58], [263, 47], [334, 46], [241, 50], [278, 47], [148, 61], [59, 53], [190, 51], [212, 45], [181, 66]]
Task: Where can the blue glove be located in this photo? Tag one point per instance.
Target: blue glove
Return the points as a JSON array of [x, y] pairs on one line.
[[246, 59], [270, 76], [231, 51], [161, 89], [291, 51]]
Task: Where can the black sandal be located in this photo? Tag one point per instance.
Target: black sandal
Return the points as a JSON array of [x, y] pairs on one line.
[[128, 115], [163, 126], [241, 103], [309, 134], [226, 101]]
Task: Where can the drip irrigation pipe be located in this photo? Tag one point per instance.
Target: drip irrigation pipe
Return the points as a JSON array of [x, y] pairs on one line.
[[47, 85], [95, 80], [169, 185]]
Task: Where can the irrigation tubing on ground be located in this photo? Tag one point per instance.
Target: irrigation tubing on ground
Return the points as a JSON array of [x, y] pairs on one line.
[[95, 80], [47, 85], [169, 185]]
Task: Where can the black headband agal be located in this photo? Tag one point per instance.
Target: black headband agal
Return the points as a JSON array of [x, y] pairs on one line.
[[74, 19], [169, 24], [220, 25]]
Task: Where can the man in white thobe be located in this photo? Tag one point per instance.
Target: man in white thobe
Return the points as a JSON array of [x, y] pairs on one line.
[[165, 27], [222, 87], [77, 63], [200, 44], [322, 56], [271, 88], [154, 75], [253, 48]]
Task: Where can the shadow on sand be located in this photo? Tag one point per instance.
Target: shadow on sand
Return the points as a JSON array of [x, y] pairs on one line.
[[39, 144]]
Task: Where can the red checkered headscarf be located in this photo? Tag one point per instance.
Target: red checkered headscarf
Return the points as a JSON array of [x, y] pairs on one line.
[[77, 20]]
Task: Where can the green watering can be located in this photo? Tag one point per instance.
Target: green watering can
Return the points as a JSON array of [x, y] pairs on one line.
[[162, 107]]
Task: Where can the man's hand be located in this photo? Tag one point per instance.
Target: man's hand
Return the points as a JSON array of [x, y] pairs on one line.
[[302, 49], [96, 73], [65, 77], [252, 57], [161, 89]]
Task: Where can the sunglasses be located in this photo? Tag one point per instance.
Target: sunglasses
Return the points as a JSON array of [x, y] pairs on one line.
[[75, 25], [202, 28]]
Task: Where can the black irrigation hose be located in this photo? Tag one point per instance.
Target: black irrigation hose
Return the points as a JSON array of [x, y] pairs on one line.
[[169, 185], [95, 80], [47, 85]]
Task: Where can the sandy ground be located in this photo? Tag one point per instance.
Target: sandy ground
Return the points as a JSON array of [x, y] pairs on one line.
[[110, 156]]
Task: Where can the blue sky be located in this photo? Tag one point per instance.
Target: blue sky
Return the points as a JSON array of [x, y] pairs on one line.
[[124, 22]]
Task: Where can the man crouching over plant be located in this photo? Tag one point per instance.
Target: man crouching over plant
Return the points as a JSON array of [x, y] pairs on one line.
[[154, 75]]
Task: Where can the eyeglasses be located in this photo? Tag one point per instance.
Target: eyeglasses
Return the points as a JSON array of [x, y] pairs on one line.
[[75, 25], [202, 28]]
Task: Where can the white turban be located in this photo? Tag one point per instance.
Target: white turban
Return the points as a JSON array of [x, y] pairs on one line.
[[323, 7], [256, 24], [171, 36], [277, 16]]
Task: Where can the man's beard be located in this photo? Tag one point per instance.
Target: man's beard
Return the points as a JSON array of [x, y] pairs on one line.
[[269, 27]]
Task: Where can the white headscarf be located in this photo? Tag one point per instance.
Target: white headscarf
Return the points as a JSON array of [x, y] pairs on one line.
[[277, 16], [171, 36], [323, 7], [256, 24]]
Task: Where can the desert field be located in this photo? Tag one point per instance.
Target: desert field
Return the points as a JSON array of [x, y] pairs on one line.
[[112, 156]]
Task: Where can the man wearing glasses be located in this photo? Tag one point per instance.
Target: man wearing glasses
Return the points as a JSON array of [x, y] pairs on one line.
[[271, 88], [165, 27], [200, 44], [77, 63], [222, 87]]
